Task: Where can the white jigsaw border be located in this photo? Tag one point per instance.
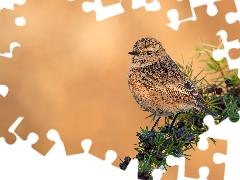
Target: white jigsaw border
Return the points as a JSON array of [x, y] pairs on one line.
[[56, 164], [219, 54]]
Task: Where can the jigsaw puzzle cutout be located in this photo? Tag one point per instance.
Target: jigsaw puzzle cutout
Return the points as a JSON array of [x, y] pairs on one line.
[[180, 162], [153, 6], [232, 17], [21, 148], [173, 14], [9, 4], [19, 21], [9, 54], [229, 131], [58, 149], [157, 174], [22, 157], [103, 12], [221, 53], [3, 90], [104, 167]]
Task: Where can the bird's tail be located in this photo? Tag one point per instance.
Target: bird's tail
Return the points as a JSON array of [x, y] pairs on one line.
[[206, 110]]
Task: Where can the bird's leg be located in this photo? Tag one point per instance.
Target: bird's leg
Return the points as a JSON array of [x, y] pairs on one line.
[[156, 123], [173, 121]]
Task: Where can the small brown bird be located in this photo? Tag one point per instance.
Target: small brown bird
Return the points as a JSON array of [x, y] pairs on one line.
[[158, 85]]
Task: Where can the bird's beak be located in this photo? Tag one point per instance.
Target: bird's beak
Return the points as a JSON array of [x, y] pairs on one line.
[[133, 53]]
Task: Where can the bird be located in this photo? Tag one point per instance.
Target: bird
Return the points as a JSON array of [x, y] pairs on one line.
[[158, 85]]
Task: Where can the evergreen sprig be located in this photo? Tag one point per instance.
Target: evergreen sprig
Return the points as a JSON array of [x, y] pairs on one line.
[[221, 95]]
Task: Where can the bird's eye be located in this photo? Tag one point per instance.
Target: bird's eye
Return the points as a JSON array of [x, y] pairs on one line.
[[149, 52]]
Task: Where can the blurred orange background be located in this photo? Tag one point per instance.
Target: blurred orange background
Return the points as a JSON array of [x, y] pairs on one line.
[[70, 73]]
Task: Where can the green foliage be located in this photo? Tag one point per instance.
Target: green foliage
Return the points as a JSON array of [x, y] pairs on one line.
[[221, 95]]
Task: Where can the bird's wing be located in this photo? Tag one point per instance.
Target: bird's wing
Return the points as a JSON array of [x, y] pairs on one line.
[[166, 74]]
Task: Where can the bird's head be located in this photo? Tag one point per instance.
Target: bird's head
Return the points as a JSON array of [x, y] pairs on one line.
[[146, 50]]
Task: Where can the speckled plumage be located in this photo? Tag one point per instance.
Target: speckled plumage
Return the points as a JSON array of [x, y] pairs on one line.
[[157, 84]]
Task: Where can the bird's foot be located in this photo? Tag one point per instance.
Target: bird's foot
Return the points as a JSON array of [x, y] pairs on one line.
[[155, 123]]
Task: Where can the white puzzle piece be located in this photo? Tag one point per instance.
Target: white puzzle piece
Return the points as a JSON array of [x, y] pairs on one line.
[[232, 17], [12, 46], [103, 13], [20, 21], [180, 162], [9, 4], [21, 161], [157, 174], [101, 168], [20, 149], [30, 164], [221, 53], [153, 6], [3, 90], [229, 131], [58, 149], [173, 15]]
